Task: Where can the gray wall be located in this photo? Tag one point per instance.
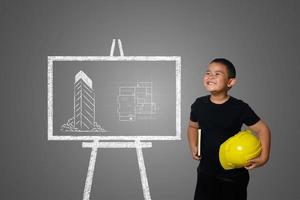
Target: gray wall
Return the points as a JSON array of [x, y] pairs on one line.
[[260, 37]]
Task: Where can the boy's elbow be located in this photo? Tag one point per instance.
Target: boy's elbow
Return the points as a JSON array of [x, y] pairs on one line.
[[266, 129], [261, 127]]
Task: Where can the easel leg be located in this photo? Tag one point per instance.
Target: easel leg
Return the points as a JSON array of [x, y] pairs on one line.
[[90, 173], [143, 174]]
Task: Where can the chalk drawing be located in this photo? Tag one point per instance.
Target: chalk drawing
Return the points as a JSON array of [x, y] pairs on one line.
[[95, 142], [52, 59], [83, 119], [136, 102]]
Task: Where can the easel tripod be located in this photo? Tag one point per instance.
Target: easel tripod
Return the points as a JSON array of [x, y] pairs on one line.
[[95, 145]]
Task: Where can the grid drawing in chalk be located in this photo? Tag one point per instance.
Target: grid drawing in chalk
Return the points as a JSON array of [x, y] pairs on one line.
[[136, 102]]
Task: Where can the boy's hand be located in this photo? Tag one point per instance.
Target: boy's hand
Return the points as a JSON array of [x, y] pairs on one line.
[[193, 139], [194, 151], [256, 162], [264, 135]]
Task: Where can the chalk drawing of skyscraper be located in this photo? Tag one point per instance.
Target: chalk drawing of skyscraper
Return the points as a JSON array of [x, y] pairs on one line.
[[84, 102], [83, 119]]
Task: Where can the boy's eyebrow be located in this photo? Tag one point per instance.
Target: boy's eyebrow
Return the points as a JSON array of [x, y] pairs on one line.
[[215, 71]]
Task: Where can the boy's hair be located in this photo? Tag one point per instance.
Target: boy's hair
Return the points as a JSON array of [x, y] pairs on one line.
[[230, 67]]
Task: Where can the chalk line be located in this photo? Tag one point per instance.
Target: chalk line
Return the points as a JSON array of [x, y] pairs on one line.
[[144, 180], [90, 173]]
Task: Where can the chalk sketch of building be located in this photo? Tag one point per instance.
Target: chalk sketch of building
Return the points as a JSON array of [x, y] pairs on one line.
[[136, 102], [84, 107]]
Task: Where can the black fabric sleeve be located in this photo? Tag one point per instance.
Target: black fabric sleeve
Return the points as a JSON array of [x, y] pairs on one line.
[[194, 113], [249, 117]]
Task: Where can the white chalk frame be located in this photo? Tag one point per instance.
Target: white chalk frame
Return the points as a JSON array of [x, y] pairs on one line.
[[52, 59]]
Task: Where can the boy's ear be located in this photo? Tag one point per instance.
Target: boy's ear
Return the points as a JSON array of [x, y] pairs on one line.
[[231, 82]]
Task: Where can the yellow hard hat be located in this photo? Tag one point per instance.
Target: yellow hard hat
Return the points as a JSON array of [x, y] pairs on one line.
[[239, 149]]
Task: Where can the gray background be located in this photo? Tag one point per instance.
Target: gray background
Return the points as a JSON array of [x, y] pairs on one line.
[[260, 37]]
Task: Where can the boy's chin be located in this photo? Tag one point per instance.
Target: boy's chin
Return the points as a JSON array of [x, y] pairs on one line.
[[216, 92], [210, 90]]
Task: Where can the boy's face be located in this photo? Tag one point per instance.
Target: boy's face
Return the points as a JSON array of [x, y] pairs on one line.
[[216, 78]]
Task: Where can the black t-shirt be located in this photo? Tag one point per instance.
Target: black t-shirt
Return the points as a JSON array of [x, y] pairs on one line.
[[218, 122]]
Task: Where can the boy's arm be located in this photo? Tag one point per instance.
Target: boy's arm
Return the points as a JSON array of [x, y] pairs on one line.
[[263, 132], [193, 139]]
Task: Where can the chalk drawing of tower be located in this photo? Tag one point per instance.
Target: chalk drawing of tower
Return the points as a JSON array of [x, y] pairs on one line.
[[84, 102], [83, 119]]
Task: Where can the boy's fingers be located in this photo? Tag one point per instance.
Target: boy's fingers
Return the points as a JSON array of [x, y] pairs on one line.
[[196, 157], [250, 166], [253, 160], [253, 163]]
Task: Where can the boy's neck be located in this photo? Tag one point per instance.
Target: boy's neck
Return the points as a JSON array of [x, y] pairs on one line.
[[219, 98]]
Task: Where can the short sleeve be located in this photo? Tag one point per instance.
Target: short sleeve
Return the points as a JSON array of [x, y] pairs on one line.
[[249, 117], [194, 113]]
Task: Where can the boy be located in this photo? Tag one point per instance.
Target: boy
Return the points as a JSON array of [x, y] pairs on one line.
[[220, 116]]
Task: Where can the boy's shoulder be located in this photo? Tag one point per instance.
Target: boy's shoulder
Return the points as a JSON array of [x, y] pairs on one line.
[[232, 100], [237, 101], [202, 99]]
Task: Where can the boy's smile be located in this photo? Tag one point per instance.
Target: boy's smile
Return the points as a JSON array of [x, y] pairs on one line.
[[216, 78]]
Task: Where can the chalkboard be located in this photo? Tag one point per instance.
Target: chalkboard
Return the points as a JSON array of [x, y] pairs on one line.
[[133, 97]]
